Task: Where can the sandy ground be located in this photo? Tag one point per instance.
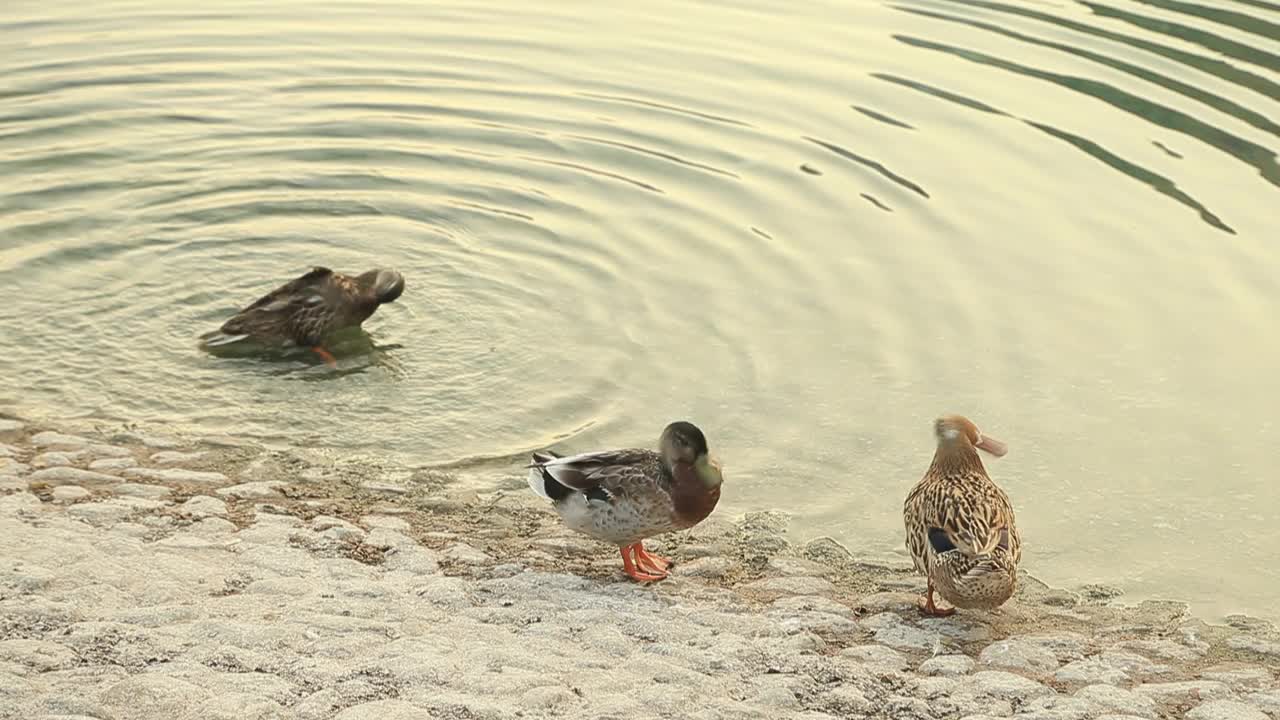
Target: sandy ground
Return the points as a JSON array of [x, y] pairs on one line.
[[147, 577]]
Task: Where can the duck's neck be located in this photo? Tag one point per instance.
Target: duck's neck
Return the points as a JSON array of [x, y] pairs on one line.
[[695, 490], [956, 460]]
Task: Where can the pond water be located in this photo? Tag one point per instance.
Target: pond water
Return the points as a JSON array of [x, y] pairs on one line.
[[808, 227]]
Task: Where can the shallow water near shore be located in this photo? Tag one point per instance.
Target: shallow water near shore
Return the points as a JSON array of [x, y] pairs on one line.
[[810, 229]]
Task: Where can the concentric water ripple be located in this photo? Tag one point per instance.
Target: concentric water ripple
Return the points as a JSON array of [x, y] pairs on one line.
[[810, 228]]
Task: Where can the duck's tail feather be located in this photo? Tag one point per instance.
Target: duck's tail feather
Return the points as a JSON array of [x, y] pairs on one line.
[[540, 481]]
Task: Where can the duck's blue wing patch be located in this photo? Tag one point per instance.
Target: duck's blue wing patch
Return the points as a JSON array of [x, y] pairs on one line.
[[939, 541]]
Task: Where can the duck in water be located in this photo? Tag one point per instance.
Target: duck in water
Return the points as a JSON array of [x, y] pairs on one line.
[[306, 310]]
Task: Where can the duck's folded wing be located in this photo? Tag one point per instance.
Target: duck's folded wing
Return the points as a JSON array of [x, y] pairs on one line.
[[275, 309], [295, 288], [974, 524], [587, 470], [302, 319]]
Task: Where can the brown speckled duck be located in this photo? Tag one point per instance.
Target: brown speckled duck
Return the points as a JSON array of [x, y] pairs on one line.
[[624, 496], [307, 309], [960, 528]]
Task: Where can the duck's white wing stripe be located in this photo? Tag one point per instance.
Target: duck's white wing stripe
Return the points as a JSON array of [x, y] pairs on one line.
[[597, 458]]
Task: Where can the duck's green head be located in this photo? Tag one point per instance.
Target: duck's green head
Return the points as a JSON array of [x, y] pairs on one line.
[[683, 443]]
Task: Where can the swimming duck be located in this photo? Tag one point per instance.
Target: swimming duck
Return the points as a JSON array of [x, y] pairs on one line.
[[307, 309], [960, 528], [624, 496]]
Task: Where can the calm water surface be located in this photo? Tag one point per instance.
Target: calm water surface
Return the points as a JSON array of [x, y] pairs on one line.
[[809, 227]]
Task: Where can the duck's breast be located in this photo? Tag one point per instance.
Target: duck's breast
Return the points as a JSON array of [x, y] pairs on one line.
[[619, 520]]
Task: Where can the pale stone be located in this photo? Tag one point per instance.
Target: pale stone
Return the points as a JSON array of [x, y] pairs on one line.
[[56, 439], [385, 487], [324, 522], [173, 457], [876, 656], [1002, 684], [201, 506], [704, 567], [70, 476], [114, 463], [69, 493], [385, 521], [1255, 645], [1226, 710], [51, 459], [175, 475], [1110, 668], [153, 492], [1105, 698], [257, 489], [385, 710], [1019, 655], [1240, 678], [947, 665], [11, 467], [99, 450], [1190, 690], [1267, 701], [794, 585], [111, 511]]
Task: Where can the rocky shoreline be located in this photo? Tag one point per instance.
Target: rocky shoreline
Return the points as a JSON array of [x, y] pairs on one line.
[[145, 577]]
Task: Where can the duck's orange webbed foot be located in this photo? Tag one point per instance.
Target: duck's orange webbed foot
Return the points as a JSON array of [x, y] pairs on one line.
[[634, 571], [325, 355], [929, 608], [652, 563]]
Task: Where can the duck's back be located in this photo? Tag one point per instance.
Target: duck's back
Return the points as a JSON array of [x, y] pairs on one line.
[[303, 309], [969, 505], [947, 517]]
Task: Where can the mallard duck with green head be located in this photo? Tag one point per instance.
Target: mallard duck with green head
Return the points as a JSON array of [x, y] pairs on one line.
[[622, 497], [308, 309], [960, 528]]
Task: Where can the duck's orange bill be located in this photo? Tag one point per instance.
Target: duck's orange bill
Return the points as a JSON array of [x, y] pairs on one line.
[[991, 445]]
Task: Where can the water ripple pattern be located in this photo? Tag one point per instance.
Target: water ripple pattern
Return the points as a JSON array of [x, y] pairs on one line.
[[810, 228]]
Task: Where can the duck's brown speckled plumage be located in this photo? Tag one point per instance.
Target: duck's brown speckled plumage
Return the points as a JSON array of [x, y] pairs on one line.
[[960, 525], [624, 496], [310, 307]]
